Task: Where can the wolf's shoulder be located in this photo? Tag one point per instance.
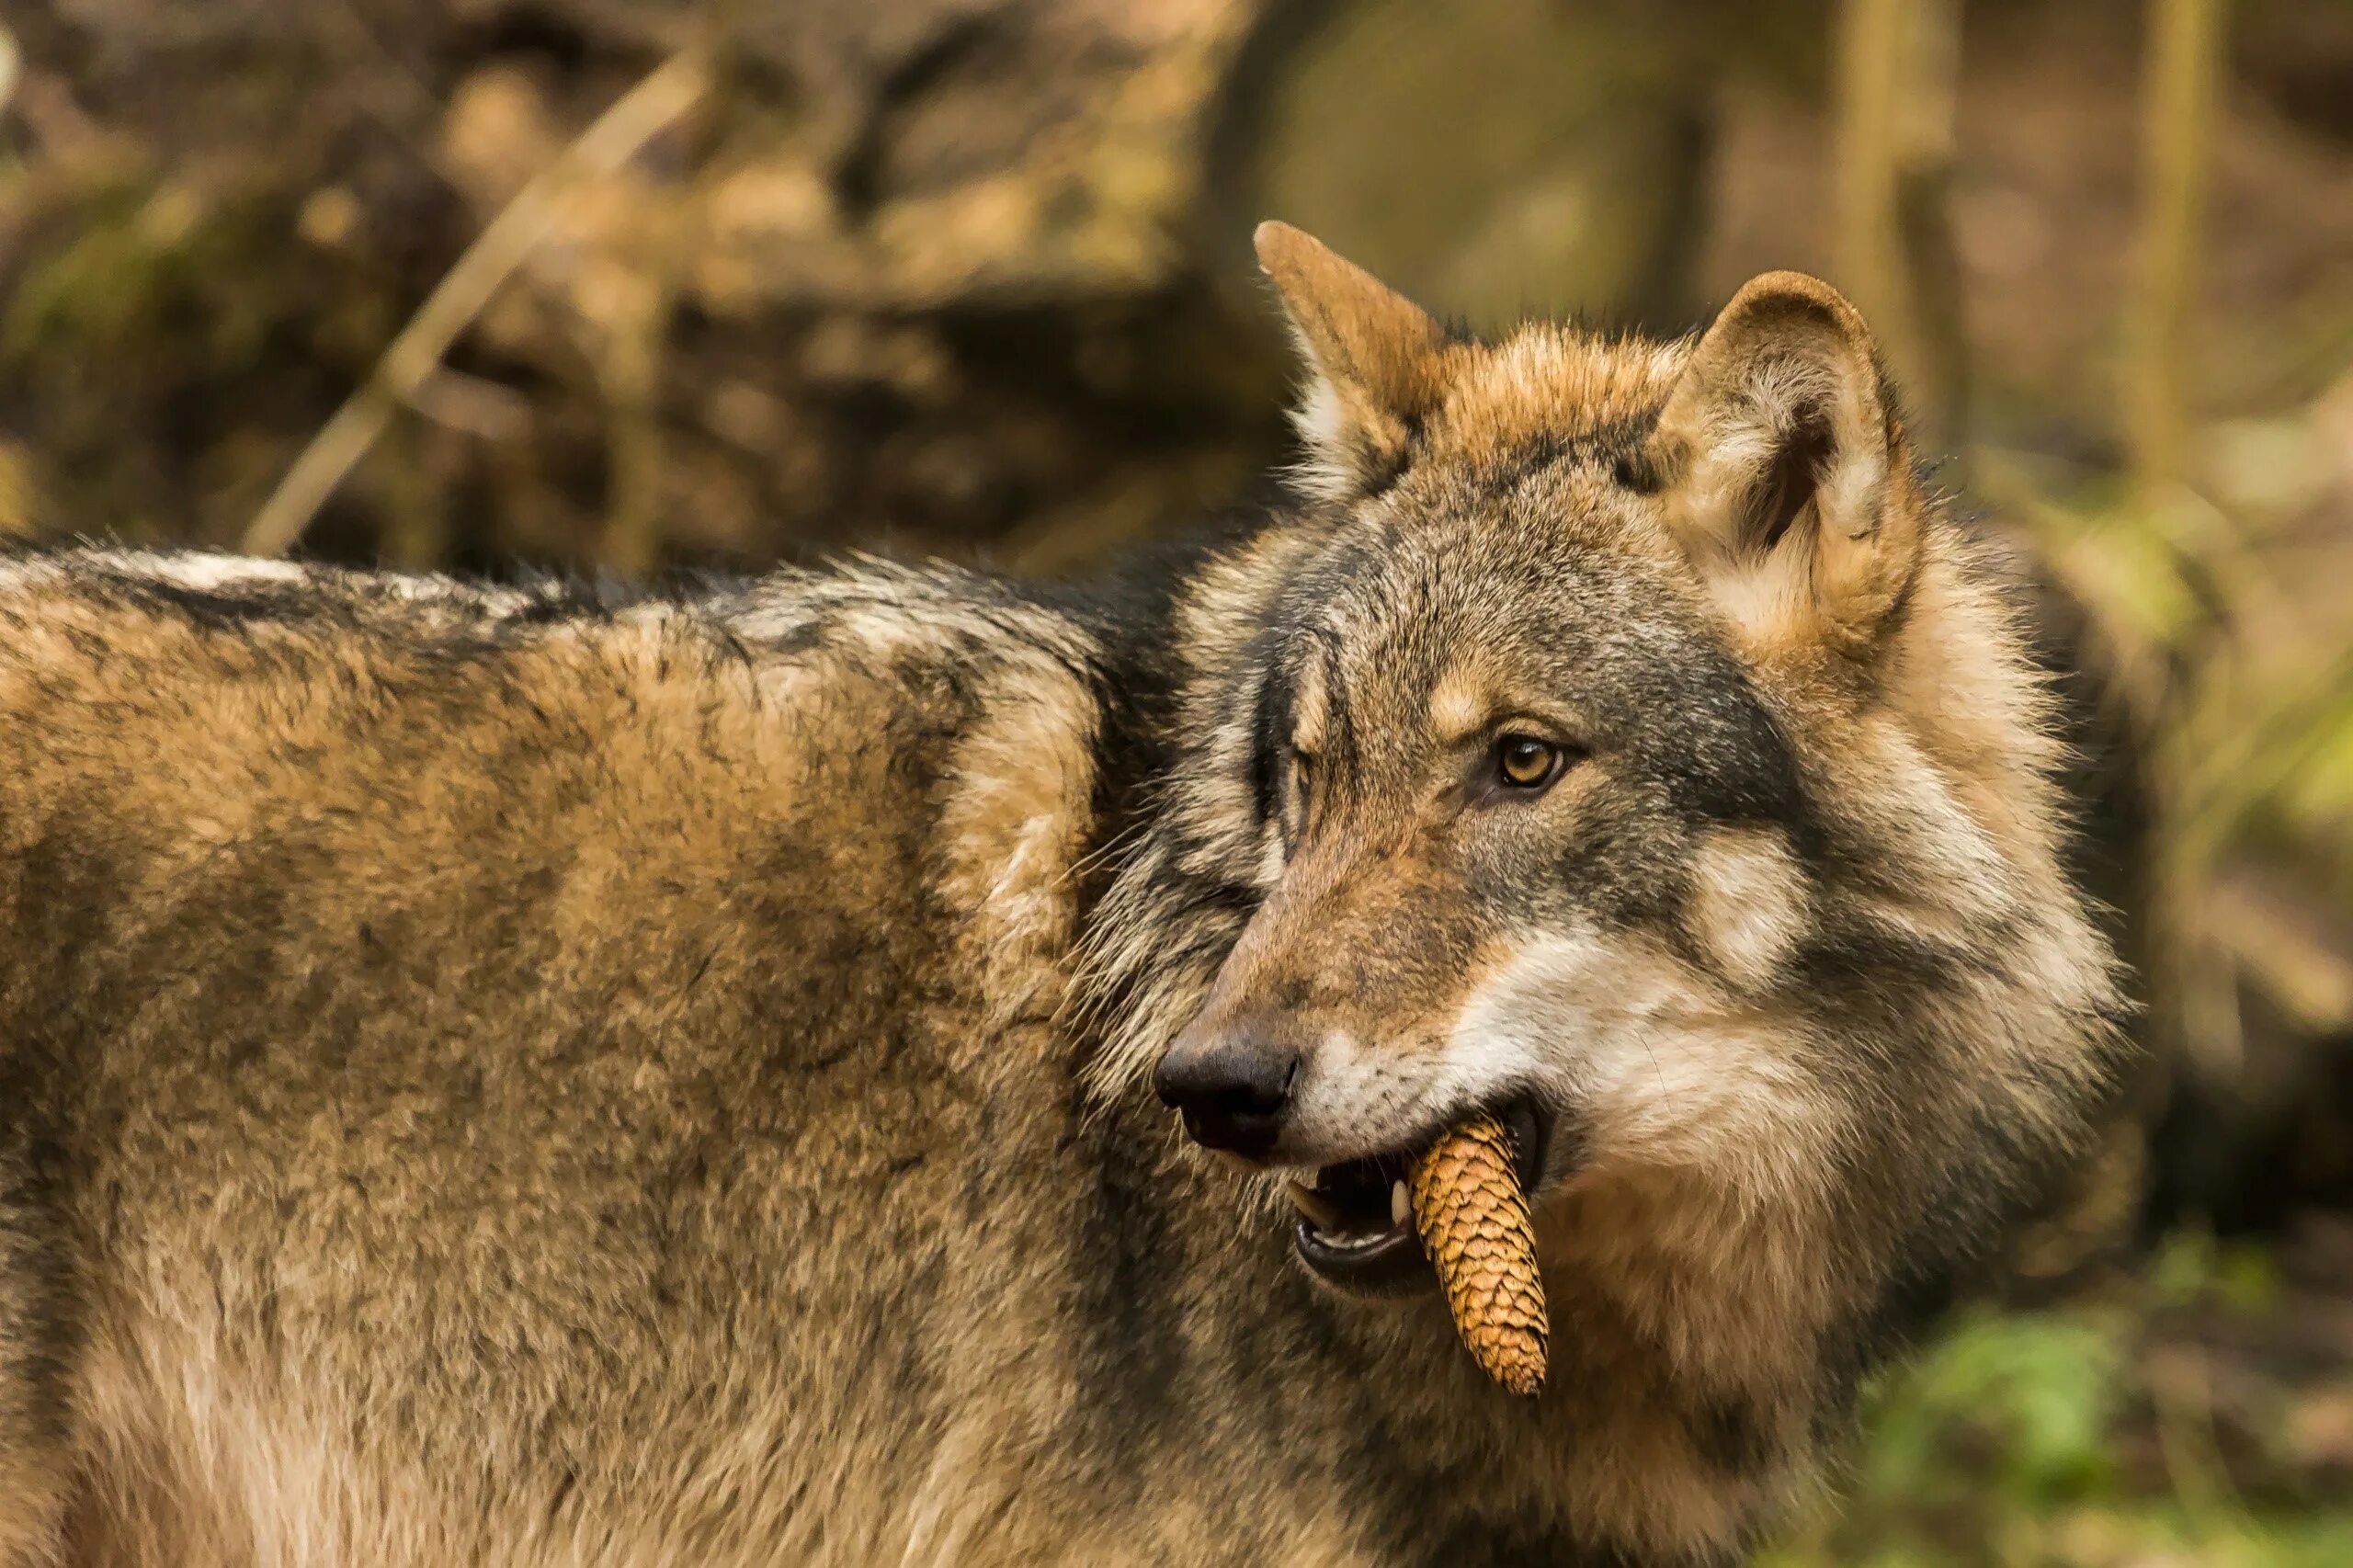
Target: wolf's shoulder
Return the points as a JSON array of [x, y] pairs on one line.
[[972, 691], [894, 745]]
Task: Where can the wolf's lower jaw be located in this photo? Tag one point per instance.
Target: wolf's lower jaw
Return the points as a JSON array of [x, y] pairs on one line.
[[1389, 1262], [1355, 1229]]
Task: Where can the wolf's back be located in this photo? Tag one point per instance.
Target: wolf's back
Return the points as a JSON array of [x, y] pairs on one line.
[[499, 1075]]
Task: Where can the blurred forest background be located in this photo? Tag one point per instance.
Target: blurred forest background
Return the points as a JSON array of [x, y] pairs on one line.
[[641, 285]]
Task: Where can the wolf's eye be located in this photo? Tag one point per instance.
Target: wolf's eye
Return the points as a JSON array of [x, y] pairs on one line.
[[1527, 763]]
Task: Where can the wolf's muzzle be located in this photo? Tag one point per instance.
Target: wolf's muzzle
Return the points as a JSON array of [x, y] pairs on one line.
[[1234, 1087]]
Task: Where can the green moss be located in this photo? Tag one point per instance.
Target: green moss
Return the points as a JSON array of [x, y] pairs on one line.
[[2071, 1438]]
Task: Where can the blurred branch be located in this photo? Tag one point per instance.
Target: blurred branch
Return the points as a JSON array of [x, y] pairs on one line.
[[482, 409], [630, 369], [611, 140], [2194, 989], [11, 66], [1898, 64], [2185, 60]]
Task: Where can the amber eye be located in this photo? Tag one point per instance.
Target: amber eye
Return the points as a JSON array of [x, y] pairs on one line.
[[1527, 763]]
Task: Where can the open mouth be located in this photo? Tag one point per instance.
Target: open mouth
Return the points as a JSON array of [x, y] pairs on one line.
[[1355, 1228]]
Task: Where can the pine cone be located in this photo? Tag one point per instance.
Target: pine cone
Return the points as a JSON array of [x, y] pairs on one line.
[[1475, 1227]]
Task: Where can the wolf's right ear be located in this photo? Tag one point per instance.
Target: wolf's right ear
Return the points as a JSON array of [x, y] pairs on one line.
[[1783, 466], [1376, 357]]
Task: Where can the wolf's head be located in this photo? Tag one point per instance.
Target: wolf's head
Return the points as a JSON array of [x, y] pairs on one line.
[[1620, 740]]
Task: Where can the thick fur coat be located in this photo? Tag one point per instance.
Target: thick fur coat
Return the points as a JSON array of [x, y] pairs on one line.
[[527, 1076]]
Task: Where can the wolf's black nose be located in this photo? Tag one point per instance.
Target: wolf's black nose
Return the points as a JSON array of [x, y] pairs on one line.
[[1234, 1093]]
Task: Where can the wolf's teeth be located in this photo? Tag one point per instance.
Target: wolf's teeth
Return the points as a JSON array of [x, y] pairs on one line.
[[1320, 1212], [1401, 1207]]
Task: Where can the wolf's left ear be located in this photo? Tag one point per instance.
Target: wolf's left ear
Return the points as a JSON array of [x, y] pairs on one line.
[[1781, 464], [1375, 354]]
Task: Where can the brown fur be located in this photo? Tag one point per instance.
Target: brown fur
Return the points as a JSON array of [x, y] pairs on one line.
[[500, 1075]]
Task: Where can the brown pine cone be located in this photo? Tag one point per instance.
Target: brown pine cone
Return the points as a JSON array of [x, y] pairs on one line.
[[1475, 1226]]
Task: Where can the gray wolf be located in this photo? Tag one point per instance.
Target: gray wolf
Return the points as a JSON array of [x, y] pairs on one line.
[[530, 1075]]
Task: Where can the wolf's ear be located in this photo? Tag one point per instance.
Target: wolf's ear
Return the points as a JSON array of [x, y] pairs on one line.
[[1375, 357], [1781, 464]]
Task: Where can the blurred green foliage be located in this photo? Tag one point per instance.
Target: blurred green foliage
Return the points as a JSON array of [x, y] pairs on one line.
[[2157, 1423]]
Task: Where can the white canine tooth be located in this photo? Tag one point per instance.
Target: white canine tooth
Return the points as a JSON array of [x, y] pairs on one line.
[[1319, 1209], [1401, 1207]]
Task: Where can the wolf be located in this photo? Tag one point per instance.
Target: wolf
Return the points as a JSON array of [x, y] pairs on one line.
[[892, 1066]]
